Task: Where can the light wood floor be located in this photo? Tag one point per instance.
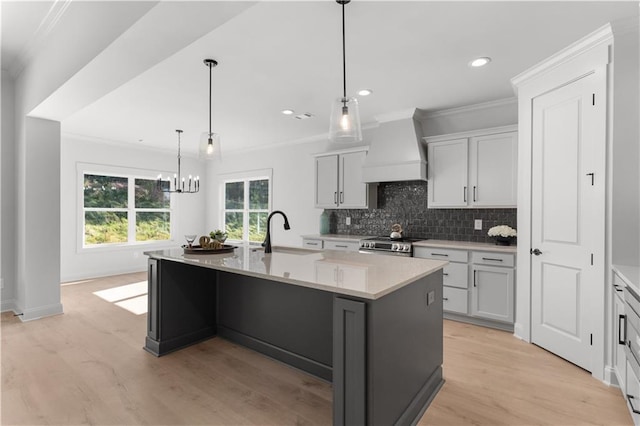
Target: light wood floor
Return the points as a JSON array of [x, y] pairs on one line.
[[87, 366]]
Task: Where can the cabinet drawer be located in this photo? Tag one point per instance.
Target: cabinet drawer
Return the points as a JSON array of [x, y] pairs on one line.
[[633, 392], [455, 300], [312, 244], [492, 258], [441, 254], [456, 275], [342, 245]]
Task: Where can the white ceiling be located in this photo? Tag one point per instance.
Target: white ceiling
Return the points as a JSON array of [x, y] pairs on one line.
[[275, 55]]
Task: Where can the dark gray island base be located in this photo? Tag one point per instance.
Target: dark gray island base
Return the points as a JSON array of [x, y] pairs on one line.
[[383, 356]]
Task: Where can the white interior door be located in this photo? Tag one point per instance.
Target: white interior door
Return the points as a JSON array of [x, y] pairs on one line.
[[567, 218]]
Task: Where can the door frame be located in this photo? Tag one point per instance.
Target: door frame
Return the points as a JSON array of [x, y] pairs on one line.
[[589, 55]]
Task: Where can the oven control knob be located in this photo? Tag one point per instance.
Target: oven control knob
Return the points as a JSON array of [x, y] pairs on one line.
[[406, 247], [372, 245], [394, 247]]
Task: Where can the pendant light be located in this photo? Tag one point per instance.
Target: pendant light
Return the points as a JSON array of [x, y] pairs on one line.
[[180, 185], [345, 114], [209, 141]]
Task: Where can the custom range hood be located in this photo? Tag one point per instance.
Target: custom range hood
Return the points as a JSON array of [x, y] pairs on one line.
[[396, 152]]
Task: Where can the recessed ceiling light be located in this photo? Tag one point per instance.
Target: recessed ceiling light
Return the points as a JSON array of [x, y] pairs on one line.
[[365, 92], [479, 62], [287, 111]]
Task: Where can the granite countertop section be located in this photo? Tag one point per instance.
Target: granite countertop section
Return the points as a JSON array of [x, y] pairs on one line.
[[337, 237], [370, 277], [629, 274], [465, 245]]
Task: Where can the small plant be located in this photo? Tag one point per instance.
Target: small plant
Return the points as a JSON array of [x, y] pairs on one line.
[[218, 235], [502, 231]]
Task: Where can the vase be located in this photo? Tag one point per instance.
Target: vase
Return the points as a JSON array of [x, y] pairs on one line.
[[324, 222], [503, 241]]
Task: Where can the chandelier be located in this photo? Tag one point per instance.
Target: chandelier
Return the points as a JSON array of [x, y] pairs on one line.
[[180, 184]]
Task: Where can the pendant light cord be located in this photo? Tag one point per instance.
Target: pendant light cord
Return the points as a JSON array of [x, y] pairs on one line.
[[344, 61]]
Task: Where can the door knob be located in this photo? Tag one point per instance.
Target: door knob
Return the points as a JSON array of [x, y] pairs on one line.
[[536, 252]]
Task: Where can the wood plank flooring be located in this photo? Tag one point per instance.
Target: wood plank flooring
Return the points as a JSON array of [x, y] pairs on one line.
[[87, 366]]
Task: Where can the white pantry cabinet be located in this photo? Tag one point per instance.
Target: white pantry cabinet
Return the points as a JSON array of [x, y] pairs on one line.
[[339, 183], [473, 169]]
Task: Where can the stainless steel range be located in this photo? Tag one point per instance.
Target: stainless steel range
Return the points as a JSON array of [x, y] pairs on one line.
[[389, 246]]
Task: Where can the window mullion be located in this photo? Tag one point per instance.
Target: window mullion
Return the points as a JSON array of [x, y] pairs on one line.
[[131, 211], [245, 211]]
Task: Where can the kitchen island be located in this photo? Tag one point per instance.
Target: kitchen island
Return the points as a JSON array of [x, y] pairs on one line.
[[372, 325]]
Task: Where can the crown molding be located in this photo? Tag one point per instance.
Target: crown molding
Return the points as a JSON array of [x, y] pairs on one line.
[[398, 115], [602, 35]]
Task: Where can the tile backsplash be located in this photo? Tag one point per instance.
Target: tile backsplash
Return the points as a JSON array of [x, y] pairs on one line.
[[406, 203]]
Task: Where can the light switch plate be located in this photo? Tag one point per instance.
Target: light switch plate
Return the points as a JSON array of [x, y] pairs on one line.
[[348, 221], [431, 297], [477, 225]]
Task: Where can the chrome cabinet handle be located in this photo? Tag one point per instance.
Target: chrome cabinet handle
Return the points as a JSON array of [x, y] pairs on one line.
[[335, 198], [474, 193], [341, 197], [536, 252], [338, 245], [312, 244], [439, 254], [445, 274], [474, 278], [492, 258], [464, 194], [445, 298]]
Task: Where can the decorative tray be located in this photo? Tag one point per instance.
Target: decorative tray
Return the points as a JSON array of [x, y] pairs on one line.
[[199, 250]]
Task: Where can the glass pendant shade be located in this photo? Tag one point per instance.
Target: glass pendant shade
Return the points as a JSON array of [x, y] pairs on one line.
[[345, 121], [210, 146]]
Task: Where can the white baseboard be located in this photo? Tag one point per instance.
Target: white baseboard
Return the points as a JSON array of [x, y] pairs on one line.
[[40, 312], [100, 274]]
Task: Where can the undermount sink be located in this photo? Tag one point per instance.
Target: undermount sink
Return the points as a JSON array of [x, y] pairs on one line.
[[290, 250]]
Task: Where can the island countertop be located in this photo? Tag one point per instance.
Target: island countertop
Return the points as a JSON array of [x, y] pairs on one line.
[[355, 274]]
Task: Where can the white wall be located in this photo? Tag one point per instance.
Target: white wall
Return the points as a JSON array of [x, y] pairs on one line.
[[189, 209], [7, 195], [292, 187], [625, 145]]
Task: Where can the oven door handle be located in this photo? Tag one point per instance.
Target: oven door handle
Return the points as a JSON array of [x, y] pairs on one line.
[[622, 322]]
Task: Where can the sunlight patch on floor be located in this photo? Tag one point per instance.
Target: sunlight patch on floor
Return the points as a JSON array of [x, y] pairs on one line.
[[122, 292], [132, 297], [137, 305]]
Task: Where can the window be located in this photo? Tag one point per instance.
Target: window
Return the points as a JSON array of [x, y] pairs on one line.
[[120, 209], [246, 207]]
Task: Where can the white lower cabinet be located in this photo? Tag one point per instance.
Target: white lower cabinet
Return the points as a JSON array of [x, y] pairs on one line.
[[312, 243], [348, 244], [342, 245], [492, 293], [478, 286], [632, 393], [455, 300], [619, 340]]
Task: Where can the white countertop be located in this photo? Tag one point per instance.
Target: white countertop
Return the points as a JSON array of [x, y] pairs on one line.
[[362, 275], [630, 275], [337, 237], [465, 245]]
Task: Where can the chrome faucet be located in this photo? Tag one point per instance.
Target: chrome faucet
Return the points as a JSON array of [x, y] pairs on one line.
[[267, 241]]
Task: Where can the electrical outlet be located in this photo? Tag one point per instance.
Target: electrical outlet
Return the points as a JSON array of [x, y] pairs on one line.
[[431, 297], [477, 225], [348, 221]]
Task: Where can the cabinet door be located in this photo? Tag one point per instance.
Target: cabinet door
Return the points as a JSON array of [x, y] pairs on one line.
[[353, 192], [493, 168], [492, 293], [342, 245], [311, 243], [447, 173], [618, 341], [327, 181]]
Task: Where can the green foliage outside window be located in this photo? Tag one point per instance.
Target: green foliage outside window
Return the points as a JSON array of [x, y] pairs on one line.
[[107, 210], [256, 211]]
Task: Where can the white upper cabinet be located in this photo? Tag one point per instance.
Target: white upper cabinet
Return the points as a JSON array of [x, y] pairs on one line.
[[339, 181], [473, 169], [492, 170], [447, 173]]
